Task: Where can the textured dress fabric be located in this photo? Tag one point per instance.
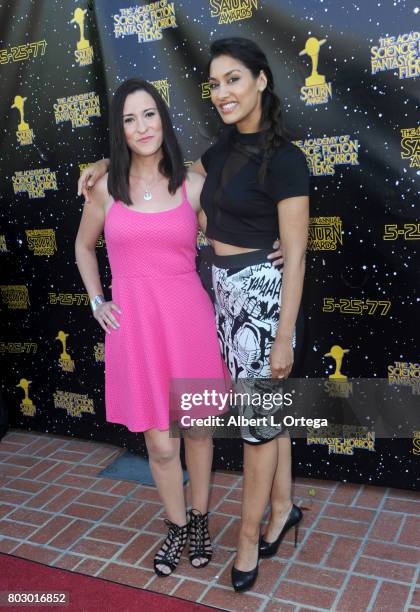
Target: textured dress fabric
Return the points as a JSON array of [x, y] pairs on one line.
[[167, 327]]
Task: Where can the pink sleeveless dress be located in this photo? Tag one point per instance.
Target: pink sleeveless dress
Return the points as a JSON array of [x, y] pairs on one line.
[[167, 324]]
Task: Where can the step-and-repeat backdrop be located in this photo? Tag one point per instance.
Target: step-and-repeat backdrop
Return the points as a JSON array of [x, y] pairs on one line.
[[348, 78]]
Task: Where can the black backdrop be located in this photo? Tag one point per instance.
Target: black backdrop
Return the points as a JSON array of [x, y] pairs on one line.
[[355, 118]]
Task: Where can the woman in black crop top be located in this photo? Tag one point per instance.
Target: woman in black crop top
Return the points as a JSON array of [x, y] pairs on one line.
[[256, 189]]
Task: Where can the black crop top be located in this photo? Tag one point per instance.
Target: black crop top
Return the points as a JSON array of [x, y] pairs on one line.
[[241, 211]]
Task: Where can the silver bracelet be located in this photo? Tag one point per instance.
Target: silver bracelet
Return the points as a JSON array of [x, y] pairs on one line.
[[97, 300]]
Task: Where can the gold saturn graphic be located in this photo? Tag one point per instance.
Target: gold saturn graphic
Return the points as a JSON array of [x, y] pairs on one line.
[[27, 405], [337, 353], [65, 361], [19, 103], [312, 48], [79, 19]]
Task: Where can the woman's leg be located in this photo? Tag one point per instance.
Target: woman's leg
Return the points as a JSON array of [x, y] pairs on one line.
[[281, 493], [199, 459], [260, 462], [165, 465]]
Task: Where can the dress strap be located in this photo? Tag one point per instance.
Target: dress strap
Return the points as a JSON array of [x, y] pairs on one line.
[[184, 191]]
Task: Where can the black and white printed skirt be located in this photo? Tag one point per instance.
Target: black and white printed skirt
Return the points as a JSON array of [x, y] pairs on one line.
[[247, 302]]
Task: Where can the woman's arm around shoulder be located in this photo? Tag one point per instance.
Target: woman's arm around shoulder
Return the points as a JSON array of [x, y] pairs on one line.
[[90, 176], [198, 168], [194, 184]]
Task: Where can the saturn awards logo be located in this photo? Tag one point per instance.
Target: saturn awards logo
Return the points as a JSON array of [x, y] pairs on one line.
[[410, 145], [338, 385], [325, 233], [227, 11], [41, 242], [65, 361], [27, 406], [15, 297], [316, 90], [84, 52], [24, 134]]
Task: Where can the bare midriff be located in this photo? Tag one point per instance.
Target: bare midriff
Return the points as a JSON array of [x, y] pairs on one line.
[[220, 248]]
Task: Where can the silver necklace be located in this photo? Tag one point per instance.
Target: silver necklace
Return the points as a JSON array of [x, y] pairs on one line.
[[147, 193]]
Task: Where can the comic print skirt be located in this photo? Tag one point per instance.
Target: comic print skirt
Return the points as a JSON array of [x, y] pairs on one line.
[[247, 302]]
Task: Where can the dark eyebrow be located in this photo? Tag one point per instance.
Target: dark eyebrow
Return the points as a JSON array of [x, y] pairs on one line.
[[227, 73], [145, 111]]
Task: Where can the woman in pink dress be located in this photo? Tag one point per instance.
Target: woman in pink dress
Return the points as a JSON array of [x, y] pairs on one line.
[[160, 323]]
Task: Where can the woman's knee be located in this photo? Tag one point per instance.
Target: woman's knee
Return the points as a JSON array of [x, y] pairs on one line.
[[162, 452], [199, 436]]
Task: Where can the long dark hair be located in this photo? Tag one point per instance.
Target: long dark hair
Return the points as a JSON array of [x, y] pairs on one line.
[[253, 57], [171, 165]]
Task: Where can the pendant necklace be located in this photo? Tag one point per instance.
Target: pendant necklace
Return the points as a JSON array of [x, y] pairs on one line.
[[147, 193]]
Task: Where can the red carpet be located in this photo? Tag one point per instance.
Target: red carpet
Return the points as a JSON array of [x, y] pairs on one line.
[[86, 594]]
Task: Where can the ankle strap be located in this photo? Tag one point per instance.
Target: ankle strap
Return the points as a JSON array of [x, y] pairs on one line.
[[174, 526], [195, 512]]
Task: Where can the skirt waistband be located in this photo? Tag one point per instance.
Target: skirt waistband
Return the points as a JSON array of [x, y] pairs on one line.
[[242, 260]]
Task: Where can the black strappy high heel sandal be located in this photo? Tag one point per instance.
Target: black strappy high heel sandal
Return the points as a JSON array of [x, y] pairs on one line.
[[200, 542], [170, 552]]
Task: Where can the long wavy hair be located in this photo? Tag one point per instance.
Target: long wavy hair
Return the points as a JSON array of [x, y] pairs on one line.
[[253, 57], [171, 165]]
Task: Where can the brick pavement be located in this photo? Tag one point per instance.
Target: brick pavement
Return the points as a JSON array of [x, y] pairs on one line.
[[359, 545]]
